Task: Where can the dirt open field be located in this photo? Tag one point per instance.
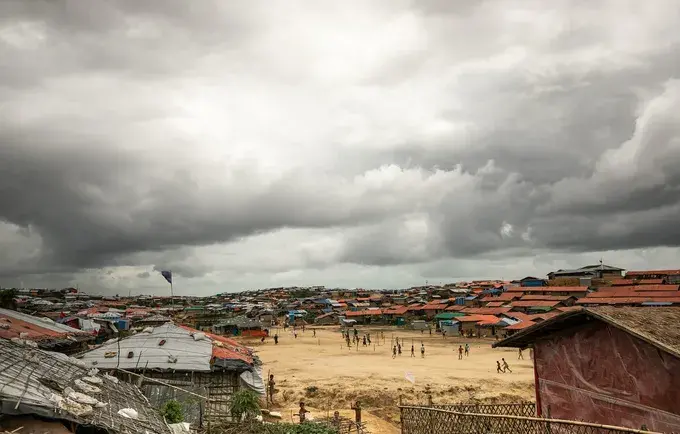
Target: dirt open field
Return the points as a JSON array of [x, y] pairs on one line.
[[327, 376]]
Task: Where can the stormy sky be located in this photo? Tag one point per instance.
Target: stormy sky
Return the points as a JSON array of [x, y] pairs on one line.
[[357, 143]]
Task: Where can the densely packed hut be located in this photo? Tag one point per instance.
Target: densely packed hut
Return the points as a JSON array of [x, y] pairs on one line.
[[211, 366], [45, 333], [59, 394]]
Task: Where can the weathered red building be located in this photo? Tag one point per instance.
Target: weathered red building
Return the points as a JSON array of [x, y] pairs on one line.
[[608, 365]]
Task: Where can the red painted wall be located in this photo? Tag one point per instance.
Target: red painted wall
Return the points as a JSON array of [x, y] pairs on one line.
[[603, 375]]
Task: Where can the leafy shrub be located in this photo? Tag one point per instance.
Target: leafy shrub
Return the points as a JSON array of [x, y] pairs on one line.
[[244, 403], [172, 412], [254, 427]]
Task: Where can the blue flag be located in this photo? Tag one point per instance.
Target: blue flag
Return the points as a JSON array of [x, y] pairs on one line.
[[167, 275]]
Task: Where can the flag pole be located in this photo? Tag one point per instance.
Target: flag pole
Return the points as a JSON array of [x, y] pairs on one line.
[[172, 298]]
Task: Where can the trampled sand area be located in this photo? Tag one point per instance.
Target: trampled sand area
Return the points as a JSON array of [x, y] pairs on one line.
[[327, 376]]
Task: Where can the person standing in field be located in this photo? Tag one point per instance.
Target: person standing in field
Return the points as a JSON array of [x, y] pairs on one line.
[[422, 350], [336, 420], [413, 351], [302, 413], [506, 367], [271, 384], [314, 333], [460, 352], [394, 352], [276, 339], [521, 356], [498, 367], [357, 412], [467, 350], [365, 340], [399, 349]]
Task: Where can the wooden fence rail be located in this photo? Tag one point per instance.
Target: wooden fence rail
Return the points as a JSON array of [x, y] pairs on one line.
[[428, 420]]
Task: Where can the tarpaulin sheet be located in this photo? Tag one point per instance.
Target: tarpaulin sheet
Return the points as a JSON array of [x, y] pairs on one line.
[[604, 375], [253, 380]]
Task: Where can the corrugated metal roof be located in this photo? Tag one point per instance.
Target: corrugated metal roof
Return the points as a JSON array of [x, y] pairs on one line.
[[653, 272], [558, 289], [485, 310], [520, 325], [534, 303], [192, 355]]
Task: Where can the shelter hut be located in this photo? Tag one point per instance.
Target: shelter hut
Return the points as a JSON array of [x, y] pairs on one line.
[[607, 365], [44, 332], [239, 326], [152, 321], [47, 392], [202, 363], [329, 318]]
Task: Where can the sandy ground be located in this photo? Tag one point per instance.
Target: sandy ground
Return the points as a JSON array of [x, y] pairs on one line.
[[327, 376]]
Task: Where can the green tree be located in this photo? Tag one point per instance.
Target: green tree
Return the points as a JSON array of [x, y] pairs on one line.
[[7, 298]]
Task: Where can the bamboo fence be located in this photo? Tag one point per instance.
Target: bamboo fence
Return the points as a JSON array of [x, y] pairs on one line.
[[426, 420], [517, 409]]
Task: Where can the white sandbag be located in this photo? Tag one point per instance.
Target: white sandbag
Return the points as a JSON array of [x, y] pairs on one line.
[[130, 413], [79, 397], [93, 372], [88, 388], [78, 362], [56, 399], [75, 407], [180, 428], [111, 378], [200, 336], [93, 380]]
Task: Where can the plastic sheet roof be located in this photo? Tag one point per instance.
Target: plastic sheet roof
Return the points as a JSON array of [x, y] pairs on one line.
[[33, 328], [226, 348], [190, 354]]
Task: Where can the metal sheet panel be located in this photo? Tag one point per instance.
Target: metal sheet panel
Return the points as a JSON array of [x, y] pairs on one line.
[[191, 355]]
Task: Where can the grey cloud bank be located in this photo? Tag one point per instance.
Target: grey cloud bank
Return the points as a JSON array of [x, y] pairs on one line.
[[373, 144]]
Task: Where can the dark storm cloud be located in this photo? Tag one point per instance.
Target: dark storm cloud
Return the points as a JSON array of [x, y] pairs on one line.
[[91, 207], [135, 38]]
